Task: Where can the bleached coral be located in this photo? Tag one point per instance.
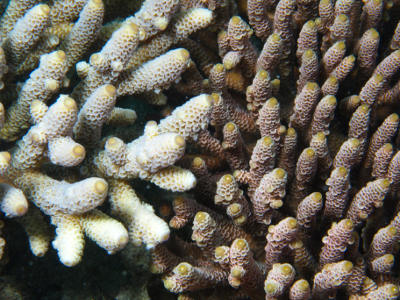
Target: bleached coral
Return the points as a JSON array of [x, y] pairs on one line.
[[84, 31], [152, 155], [298, 119], [144, 226], [53, 196], [94, 113], [41, 85], [26, 33], [13, 203], [190, 118], [155, 74], [60, 34]]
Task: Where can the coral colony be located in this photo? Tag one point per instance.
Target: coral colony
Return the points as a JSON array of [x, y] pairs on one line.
[[282, 152]]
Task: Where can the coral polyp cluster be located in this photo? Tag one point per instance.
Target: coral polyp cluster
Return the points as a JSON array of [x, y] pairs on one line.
[[275, 129]]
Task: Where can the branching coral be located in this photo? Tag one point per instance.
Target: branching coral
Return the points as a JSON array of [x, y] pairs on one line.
[[68, 133], [285, 143]]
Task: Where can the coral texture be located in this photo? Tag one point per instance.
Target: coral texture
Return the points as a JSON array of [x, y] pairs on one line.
[[273, 124]]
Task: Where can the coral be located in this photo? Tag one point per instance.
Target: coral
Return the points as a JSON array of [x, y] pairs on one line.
[[274, 126], [25, 34], [84, 31]]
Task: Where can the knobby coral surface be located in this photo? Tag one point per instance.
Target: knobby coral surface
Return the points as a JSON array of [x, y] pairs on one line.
[[276, 129]]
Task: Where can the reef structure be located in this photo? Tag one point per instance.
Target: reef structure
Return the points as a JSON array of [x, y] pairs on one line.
[[277, 133]]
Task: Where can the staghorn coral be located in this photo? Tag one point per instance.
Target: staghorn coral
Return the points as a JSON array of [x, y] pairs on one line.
[[285, 143]]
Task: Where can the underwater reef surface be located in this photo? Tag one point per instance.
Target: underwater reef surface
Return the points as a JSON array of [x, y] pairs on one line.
[[199, 149]]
